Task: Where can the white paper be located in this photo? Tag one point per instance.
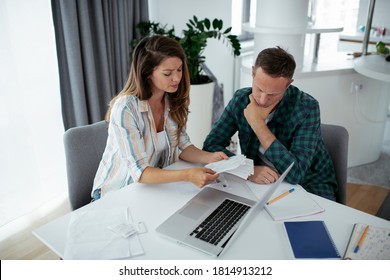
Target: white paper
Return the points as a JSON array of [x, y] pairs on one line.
[[125, 230], [237, 165], [294, 205], [90, 238]]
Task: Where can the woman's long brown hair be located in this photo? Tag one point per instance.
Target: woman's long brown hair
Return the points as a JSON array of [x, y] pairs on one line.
[[147, 55]]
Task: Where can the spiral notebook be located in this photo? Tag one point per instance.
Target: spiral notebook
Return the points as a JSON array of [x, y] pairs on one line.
[[311, 240]]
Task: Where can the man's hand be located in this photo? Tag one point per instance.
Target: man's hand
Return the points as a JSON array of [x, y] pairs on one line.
[[263, 175], [255, 114]]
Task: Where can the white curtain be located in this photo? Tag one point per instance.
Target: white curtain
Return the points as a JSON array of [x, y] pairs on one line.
[[32, 163]]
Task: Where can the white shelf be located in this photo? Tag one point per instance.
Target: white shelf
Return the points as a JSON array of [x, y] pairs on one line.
[[290, 30]]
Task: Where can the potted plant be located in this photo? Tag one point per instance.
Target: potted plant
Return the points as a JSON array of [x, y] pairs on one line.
[[194, 41]]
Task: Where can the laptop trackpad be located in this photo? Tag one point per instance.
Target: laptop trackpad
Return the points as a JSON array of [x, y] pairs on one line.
[[194, 210]]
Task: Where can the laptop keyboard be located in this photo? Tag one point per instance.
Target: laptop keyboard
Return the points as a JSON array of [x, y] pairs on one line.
[[214, 228]]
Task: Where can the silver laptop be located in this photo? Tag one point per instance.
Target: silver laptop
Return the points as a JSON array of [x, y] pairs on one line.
[[209, 219]]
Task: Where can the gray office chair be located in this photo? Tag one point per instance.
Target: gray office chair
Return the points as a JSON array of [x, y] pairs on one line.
[[84, 147], [336, 141]]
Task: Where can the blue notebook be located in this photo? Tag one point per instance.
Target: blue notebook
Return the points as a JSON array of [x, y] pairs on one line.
[[311, 240]]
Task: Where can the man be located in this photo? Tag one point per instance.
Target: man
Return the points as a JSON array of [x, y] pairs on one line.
[[277, 124]]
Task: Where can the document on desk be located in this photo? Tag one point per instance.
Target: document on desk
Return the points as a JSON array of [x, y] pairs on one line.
[[237, 165], [90, 237], [368, 242], [296, 204]]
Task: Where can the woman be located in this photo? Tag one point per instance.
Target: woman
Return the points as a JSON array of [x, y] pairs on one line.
[[147, 122]]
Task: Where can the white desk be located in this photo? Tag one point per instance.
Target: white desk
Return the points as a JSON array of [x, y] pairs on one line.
[[153, 204]]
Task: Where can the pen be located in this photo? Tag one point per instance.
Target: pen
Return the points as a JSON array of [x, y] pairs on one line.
[[280, 196], [361, 240]]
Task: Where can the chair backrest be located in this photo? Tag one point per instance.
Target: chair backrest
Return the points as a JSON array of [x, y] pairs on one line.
[[336, 141], [84, 147]]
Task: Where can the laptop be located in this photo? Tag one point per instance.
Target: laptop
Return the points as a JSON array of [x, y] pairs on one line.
[[209, 219]]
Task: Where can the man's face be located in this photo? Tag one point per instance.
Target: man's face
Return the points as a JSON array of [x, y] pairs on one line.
[[266, 90]]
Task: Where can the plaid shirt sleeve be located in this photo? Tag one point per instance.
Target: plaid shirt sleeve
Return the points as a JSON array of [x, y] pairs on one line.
[[297, 127], [228, 124], [303, 144]]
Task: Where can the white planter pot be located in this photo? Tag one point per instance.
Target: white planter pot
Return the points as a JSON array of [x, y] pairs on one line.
[[200, 116]]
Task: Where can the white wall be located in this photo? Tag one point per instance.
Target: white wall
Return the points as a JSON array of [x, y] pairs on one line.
[[176, 13]]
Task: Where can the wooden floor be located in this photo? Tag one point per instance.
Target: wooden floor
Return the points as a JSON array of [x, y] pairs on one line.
[[25, 246], [365, 197]]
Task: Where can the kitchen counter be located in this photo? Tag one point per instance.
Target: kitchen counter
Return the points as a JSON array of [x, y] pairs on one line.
[[358, 38], [373, 66], [334, 64]]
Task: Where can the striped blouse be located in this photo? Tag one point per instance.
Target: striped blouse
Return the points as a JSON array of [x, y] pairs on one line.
[[132, 144]]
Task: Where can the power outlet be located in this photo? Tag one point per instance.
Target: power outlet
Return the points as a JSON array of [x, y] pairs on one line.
[[357, 86]]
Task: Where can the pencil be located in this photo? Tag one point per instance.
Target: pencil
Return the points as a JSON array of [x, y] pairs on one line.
[[361, 240], [280, 196]]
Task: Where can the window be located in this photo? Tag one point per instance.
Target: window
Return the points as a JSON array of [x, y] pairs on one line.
[[320, 12], [243, 11], [330, 13]]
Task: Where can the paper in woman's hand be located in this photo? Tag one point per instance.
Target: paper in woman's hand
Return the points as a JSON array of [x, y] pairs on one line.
[[237, 165]]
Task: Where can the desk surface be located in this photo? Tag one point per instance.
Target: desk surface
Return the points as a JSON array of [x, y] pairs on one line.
[[154, 203]]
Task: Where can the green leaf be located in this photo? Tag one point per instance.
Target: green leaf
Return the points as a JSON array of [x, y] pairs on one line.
[[219, 24], [227, 30], [200, 26], [215, 23], [207, 23]]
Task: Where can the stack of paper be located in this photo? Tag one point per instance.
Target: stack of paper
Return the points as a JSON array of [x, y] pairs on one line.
[[237, 165], [296, 204]]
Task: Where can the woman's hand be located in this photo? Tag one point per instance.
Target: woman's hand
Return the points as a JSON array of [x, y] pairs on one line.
[[193, 154], [201, 176], [217, 156], [263, 175]]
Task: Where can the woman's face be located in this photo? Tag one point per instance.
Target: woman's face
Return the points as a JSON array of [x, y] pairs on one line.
[[167, 76]]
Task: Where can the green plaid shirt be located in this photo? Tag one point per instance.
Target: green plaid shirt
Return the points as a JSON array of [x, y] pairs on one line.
[[296, 125]]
